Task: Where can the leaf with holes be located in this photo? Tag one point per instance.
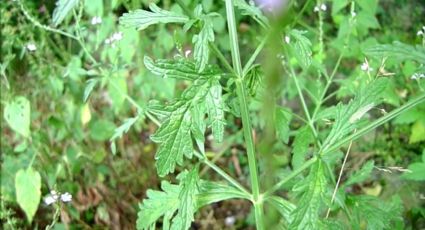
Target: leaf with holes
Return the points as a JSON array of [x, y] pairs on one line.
[[17, 115]]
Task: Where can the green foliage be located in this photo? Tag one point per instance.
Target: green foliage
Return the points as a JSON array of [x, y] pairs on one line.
[[63, 8], [28, 191], [302, 141], [313, 188], [141, 19], [300, 48], [398, 51], [17, 115], [416, 170]]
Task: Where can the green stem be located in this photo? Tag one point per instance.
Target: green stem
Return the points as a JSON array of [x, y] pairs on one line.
[[254, 56], [246, 123], [293, 174]]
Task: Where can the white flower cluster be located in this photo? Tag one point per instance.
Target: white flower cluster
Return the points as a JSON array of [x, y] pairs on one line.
[[287, 39], [54, 196], [31, 47], [421, 32], [114, 38], [321, 7], [96, 20], [417, 76]]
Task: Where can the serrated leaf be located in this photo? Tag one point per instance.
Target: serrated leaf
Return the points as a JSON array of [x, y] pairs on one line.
[[306, 215], [281, 120], [182, 69], [201, 44], [141, 19], [361, 175], [250, 10], [215, 108], [62, 9], [175, 141], [212, 192], [120, 131], [28, 191], [17, 115], [346, 116], [301, 48], [398, 51], [91, 83], [284, 207], [187, 196], [374, 212], [158, 204], [302, 141]]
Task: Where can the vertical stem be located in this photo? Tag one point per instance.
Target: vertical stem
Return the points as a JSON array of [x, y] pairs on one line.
[[246, 123]]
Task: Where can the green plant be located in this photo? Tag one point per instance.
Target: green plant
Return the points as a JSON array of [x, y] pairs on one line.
[[304, 66]]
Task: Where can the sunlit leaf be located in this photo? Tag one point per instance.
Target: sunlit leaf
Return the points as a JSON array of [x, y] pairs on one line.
[[17, 115], [215, 107], [201, 44], [141, 19], [28, 191]]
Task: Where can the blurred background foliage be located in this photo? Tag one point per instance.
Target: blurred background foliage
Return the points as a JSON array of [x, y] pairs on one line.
[[68, 141]]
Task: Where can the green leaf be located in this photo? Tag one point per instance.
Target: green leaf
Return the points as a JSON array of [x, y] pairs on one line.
[[17, 115], [141, 19], [338, 5], [284, 207], [101, 130], [215, 107], [374, 212], [62, 9], [91, 83], [175, 141], [306, 215], [417, 132], [347, 116], [187, 196], [212, 192], [117, 89], [28, 191], [201, 44], [120, 131], [281, 120], [182, 69], [302, 141], [361, 175], [301, 48], [398, 51], [250, 10], [417, 170], [158, 204]]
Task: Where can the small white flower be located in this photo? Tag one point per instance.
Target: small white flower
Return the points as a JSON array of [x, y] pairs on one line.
[[323, 7], [316, 9], [31, 47], [117, 36], [365, 66], [96, 20], [417, 76], [287, 39], [66, 197], [423, 28], [353, 14], [187, 53], [419, 33], [229, 221]]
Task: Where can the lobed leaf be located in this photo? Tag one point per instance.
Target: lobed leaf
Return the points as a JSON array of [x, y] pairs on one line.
[[282, 119], [361, 175], [181, 69], [201, 44], [399, 51], [301, 48], [302, 141], [306, 215], [284, 207], [215, 108], [141, 19], [212, 192], [250, 10], [62, 9]]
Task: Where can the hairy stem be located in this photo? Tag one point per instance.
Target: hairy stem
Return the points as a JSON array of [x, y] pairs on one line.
[[246, 122]]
